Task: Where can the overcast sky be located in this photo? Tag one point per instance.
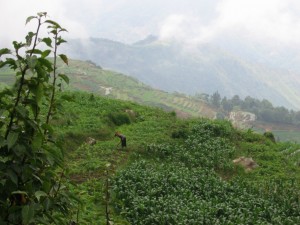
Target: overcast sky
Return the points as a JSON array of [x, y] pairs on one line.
[[194, 21]]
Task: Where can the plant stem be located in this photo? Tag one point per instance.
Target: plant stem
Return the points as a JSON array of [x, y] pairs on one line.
[[54, 80], [23, 73]]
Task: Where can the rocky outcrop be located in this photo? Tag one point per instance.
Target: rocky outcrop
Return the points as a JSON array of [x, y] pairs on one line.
[[248, 163], [241, 118], [90, 141]]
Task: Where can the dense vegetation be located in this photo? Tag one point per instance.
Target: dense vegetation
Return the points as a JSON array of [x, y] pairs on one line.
[[182, 183], [263, 109], [32, 189], [174, 171]]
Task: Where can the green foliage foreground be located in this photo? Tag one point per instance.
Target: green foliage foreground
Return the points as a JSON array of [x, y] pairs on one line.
[[32, 190]]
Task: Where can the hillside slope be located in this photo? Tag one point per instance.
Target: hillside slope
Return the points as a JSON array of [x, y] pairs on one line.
[[189, 69], [87, 76], [174, 171]]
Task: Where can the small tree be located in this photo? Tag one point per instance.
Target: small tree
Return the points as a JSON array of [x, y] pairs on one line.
[[215, 99], [31, 161]]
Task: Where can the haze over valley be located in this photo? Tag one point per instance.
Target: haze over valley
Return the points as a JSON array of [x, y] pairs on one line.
[[245, 48], [203, 68]]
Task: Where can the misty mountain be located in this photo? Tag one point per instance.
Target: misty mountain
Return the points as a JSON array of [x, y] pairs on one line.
[[206, 68]]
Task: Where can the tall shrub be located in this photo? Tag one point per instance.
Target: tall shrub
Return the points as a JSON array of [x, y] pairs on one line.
[[31, 161]]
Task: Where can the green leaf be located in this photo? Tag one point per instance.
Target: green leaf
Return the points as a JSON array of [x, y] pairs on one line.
[[22, 111], [29, 38], [41, 73], [2, 64], [4, 51], [13, 176], [32, 61], [12, 139], [27, 214], [39, 194], [47, 41], [19, 192], [56, 25], [37, 141], [38, 91], [63, 30], [64, 77], [20, 150], [64, 58], [53, 31], [46, 63], [34, 51], [41, 14], [48, 128], [29, 19], [60, 41], [33, 124], [47, 204], [2, 141], [46, 53], [18, 45], [9, 61], [39, 179]]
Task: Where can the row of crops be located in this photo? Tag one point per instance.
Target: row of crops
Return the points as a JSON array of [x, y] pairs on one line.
[[181, 184]]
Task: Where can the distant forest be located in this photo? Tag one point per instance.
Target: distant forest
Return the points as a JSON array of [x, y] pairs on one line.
[[263, 109]]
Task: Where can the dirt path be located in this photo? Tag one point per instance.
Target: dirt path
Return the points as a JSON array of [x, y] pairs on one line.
[[116, 160]]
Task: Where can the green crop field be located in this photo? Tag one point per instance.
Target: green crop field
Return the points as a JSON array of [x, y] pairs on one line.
[[173, 171], [293, 136]]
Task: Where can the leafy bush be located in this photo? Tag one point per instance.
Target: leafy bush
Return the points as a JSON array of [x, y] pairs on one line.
[[270, 136], [217, 128], [180, 133], [119, 118], [31, 160]]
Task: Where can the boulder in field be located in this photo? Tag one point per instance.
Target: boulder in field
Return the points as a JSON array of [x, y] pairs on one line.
[[90, 141], [248, 163]]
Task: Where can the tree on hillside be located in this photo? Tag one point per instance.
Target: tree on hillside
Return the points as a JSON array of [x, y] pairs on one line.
[[266, 104], [236, 101], [249, 103], [215, 99], [31, 160]]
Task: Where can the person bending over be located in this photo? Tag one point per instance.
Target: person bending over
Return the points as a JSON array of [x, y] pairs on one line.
[[122, 139]]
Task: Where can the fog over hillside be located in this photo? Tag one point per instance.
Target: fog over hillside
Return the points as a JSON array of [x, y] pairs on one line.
[[246, 47], [206, 68]]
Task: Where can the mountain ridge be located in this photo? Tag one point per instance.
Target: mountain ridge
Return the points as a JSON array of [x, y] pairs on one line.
[[172, 67]]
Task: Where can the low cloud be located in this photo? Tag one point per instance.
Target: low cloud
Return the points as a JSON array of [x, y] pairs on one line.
[[14, 13], [190, 21], [271, 21]]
